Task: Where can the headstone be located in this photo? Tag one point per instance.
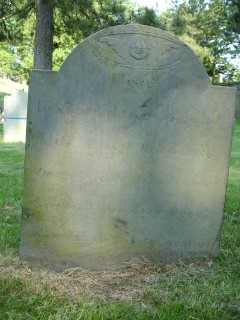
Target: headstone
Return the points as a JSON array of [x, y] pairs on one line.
[[15, 117], [220, 78], [127, 154]]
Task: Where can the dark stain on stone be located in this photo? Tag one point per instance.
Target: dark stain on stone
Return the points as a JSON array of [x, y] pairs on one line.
[[26, 213], [145, 104], [121, 222]]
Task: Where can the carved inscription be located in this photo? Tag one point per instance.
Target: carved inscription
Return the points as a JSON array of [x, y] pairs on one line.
[[48, 173], [39, 204], [172, 214], [187, 245], [121, 178], [66, 109], [140, 84], [187, 121]]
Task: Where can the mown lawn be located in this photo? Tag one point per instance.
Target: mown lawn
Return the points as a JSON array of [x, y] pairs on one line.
[[205, 289]]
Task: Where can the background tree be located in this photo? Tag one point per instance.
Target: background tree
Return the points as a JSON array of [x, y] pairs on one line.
[[14, 15], [74, 20], [209, 28], [43, 48], [149, 17]]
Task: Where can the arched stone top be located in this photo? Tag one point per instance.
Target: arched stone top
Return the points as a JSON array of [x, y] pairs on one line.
[[138, 47]]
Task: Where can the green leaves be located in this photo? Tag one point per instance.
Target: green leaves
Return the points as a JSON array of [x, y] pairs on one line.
[[210, 28]]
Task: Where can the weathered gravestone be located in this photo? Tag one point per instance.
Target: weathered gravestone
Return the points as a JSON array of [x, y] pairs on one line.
[[15, 117], [127, 154]]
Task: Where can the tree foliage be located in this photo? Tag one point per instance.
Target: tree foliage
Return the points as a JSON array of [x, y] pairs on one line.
[[210, 27], [149, 17], [74, 20]]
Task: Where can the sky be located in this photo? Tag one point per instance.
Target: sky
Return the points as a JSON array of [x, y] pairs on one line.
[[162, 4]]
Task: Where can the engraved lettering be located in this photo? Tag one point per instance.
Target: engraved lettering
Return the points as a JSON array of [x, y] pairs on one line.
[[38, 204], [58, 175]]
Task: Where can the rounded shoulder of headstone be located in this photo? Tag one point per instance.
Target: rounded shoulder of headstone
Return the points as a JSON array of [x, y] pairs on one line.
[[135, 46]]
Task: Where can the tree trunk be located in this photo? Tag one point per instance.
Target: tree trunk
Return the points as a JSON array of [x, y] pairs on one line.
[[44, 35]]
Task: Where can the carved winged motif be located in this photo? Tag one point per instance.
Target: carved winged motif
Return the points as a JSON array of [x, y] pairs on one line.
[[137, 51]]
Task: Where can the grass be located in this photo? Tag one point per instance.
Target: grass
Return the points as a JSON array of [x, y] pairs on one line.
[[11, 182], [205, 289]]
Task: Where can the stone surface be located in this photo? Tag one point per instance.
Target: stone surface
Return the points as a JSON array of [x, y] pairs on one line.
[[15, 117], [127, 154]]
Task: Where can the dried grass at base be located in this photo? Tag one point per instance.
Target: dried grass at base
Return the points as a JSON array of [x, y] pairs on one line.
[[126, 284]]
